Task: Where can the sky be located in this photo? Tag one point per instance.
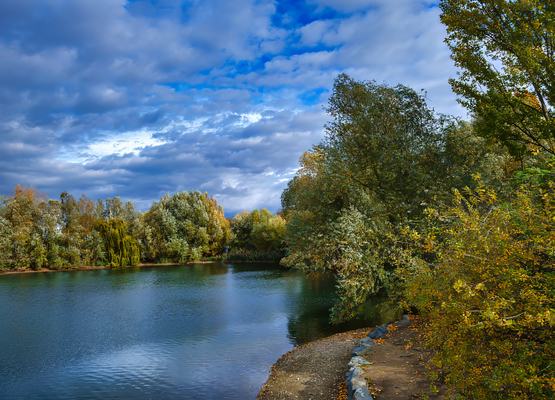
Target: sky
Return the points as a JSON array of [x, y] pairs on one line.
[[137, 99]]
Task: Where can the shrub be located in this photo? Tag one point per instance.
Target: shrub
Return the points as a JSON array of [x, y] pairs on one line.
[[490, 294]]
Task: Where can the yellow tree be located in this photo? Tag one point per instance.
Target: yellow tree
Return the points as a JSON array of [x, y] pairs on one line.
[[490, 294]]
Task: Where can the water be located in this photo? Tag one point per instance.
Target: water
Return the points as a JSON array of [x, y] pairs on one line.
[[204, 331]]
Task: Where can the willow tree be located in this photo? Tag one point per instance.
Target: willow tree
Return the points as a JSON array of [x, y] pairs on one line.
[[121, 249], [505, 51]]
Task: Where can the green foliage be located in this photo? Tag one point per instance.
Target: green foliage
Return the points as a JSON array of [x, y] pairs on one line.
[[258, 230], [60, 234], [490, 295], [386, 157], [512, 103], [121, 250], [184, 227]]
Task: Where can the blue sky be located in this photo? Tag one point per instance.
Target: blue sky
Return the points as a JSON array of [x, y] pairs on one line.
[[142, 98]]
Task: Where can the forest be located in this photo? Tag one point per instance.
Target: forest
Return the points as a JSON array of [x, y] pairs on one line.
[[450, 219]]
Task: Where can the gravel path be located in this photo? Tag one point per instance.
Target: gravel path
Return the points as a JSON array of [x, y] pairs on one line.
[[314, 371]]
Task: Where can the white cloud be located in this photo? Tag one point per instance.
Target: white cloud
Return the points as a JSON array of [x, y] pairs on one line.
[[110, 98]]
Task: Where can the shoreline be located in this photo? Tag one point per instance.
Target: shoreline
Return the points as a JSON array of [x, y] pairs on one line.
[[393, 367], [93, 268], [83, 268]]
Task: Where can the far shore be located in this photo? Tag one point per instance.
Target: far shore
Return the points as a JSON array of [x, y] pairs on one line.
[[90, 268]]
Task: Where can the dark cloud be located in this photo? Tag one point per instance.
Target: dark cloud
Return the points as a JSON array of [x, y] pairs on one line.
[[140, 98]]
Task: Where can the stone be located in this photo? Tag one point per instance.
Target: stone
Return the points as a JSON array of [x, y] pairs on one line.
[[378, 332], [362, 394], [367, 342], [353, 385], [358, 361], [362, 351], [357, 383], [354, 373], [404, 321]]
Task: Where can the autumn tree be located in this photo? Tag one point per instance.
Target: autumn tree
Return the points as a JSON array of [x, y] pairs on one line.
[[22, 242], [489, 295], [259, 230], [505, 49]]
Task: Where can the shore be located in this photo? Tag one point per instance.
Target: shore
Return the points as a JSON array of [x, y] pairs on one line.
[[89, 268], [397, 369], [82, 268]]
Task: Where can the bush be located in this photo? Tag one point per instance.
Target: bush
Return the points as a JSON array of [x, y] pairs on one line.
[[490, 294]]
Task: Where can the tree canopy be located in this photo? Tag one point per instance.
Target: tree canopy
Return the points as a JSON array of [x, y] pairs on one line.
[[505, 50]]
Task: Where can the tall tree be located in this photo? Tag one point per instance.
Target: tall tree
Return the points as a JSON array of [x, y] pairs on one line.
[[386, 157], [505, 50]]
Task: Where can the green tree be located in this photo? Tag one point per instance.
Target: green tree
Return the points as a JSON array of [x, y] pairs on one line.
[[21, 214], [505, 49], [259, 230], [184, 227], [386, 157], [121, 249]]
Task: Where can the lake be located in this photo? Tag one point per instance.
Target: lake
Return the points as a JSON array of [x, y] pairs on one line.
[[201, 331]]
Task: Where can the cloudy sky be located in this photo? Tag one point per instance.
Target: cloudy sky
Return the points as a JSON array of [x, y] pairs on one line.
[[137, 99]]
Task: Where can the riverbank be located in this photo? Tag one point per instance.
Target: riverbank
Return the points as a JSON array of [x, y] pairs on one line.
[[89, 268], [82, 268], [317, 370]]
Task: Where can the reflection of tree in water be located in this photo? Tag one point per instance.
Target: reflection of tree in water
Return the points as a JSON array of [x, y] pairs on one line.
[[309, 320]]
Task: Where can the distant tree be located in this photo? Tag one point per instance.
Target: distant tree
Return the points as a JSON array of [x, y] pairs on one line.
[[121, 249], [184, 227], [22, 242], [113, 209], [259, 230]]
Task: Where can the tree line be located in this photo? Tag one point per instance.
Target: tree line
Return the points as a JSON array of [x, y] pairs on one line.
[[450, 219], [37, 232]]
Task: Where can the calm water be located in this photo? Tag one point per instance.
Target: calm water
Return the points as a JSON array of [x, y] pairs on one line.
[[205, 331]]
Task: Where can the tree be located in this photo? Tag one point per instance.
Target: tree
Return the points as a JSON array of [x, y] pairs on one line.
[[22, 239], [184, 227], [386, 157], [505, 50], [121, 249], [259, 230]]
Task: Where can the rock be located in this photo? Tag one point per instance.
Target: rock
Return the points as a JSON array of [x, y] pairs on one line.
[[362, 394], [357, 383], [353, 385], [378, 332], [367, 342], [354, 373], [362, 351], [357, 361]]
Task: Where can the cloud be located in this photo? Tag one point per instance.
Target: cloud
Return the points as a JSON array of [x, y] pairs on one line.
[[138, 98]]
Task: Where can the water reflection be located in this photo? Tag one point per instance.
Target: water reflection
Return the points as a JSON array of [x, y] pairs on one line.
[[165, 332]]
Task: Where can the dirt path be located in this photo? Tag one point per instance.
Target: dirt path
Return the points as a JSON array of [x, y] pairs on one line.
[[316, 371], [312, 371]]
